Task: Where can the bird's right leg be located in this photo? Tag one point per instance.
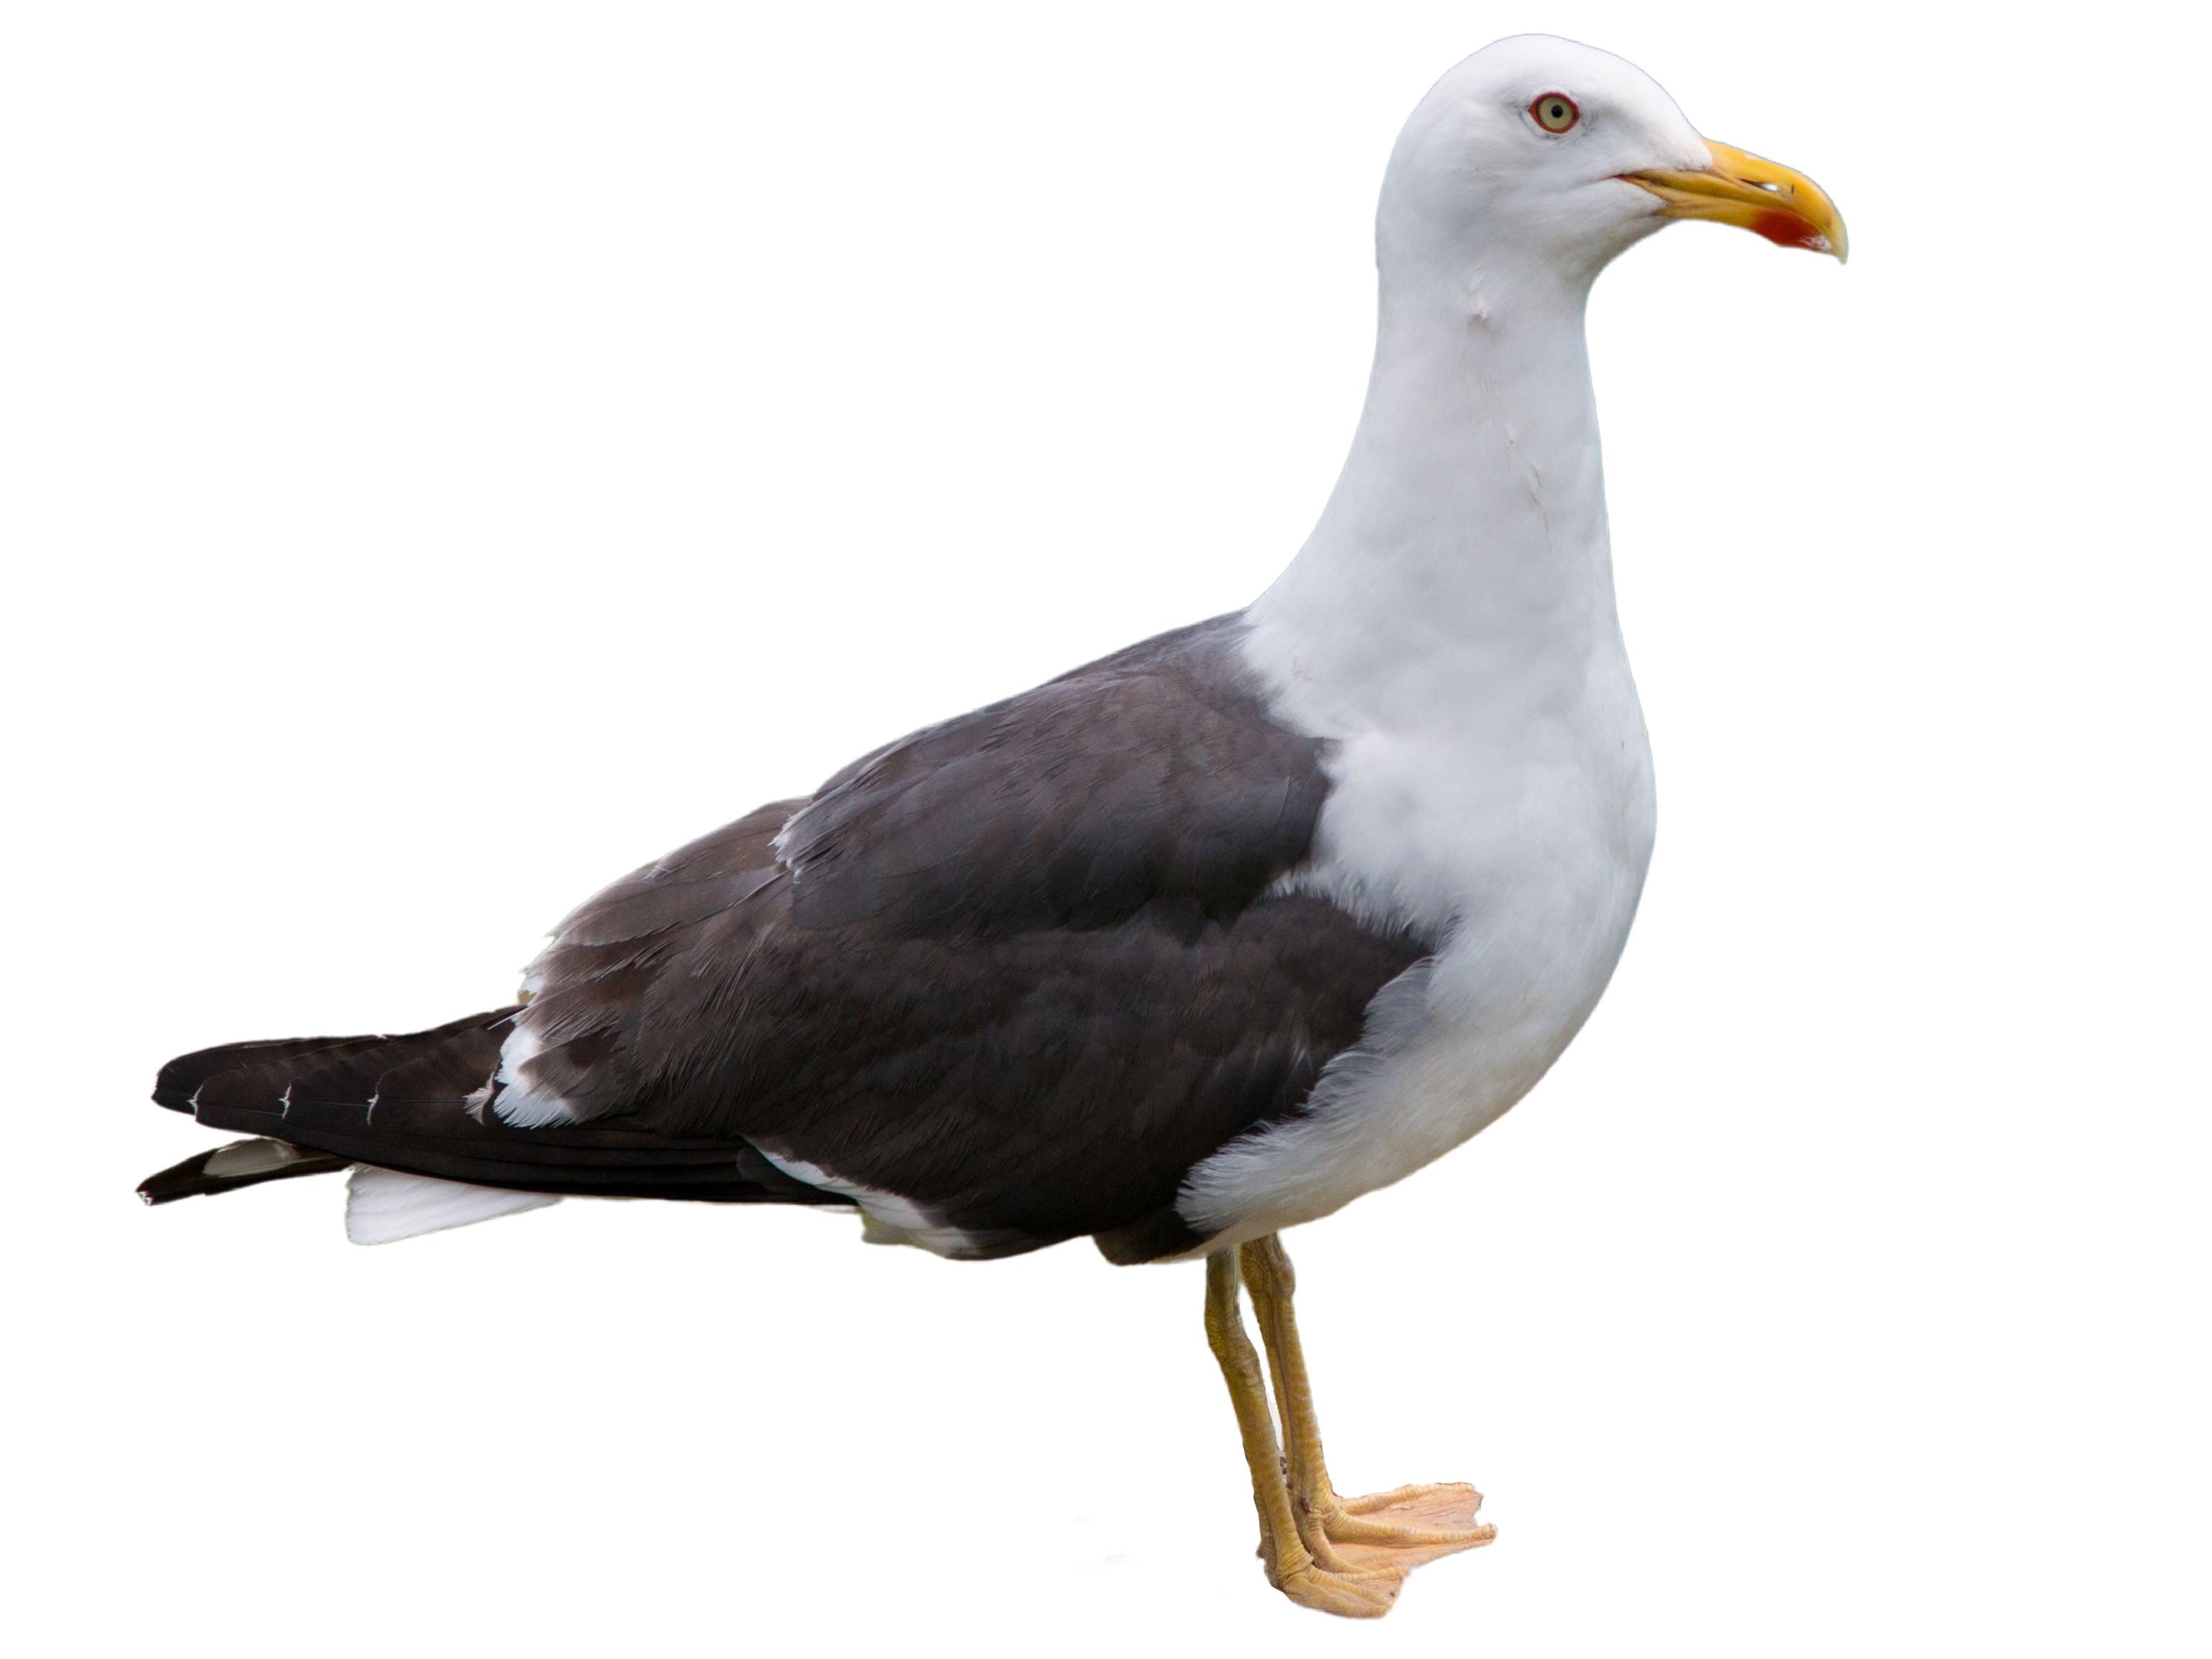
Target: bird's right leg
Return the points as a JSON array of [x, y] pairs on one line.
[[1356, 1594], [1406, 1527]]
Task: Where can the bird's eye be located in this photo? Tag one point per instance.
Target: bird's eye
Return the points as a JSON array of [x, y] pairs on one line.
[[1555, 112]]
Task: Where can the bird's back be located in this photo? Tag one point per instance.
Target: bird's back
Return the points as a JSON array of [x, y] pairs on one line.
[[1003, 983]]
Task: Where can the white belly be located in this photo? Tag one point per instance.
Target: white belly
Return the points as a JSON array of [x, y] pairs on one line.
[[1523, 843]]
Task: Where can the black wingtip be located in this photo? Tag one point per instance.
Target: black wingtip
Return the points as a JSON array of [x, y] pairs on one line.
[[240, 1164], [179, 1082]]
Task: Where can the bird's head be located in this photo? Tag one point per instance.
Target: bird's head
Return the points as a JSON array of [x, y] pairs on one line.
[[1544, 152]]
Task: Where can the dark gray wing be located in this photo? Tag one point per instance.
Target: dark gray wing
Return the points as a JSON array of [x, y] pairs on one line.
[[1023, 969]]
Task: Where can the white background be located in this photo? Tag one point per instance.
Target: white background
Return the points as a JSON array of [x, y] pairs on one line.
[[455, 453]]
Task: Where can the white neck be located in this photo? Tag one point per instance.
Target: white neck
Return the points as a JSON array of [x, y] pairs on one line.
[[1464, 550]]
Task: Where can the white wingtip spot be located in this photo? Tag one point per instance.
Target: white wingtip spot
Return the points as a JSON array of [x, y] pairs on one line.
[[246, 1157]]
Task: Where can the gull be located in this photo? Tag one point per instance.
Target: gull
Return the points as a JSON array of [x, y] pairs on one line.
[[1193, 944]]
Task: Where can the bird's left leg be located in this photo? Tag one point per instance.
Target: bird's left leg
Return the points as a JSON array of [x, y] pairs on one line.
[[1407, 1526], [1291, 1568]]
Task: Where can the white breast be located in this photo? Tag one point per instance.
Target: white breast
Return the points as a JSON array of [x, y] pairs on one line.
[[1449, 630], [1517, 828]]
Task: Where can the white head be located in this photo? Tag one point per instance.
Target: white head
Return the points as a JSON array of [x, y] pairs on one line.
[[1546, 155]]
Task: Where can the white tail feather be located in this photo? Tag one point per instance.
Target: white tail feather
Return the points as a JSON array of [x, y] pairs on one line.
[[383, 1206]]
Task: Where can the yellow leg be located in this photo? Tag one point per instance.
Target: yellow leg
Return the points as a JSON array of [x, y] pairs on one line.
[[1290, 1567], [1401, 1528]]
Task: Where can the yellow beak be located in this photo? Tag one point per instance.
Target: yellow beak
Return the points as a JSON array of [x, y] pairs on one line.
[[1754, 193]]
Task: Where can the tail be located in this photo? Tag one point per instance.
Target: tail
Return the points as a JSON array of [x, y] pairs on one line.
[[406, 1113]]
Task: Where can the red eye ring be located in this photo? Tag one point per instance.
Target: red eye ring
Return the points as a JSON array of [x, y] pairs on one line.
[[1554, 112]]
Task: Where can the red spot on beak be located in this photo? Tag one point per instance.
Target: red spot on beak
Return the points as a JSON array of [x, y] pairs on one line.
[[1787, 230]]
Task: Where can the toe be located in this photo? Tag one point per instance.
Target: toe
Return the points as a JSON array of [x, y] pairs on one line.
[[1437, 1503], [1407, 1527], [1347, 1594]]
